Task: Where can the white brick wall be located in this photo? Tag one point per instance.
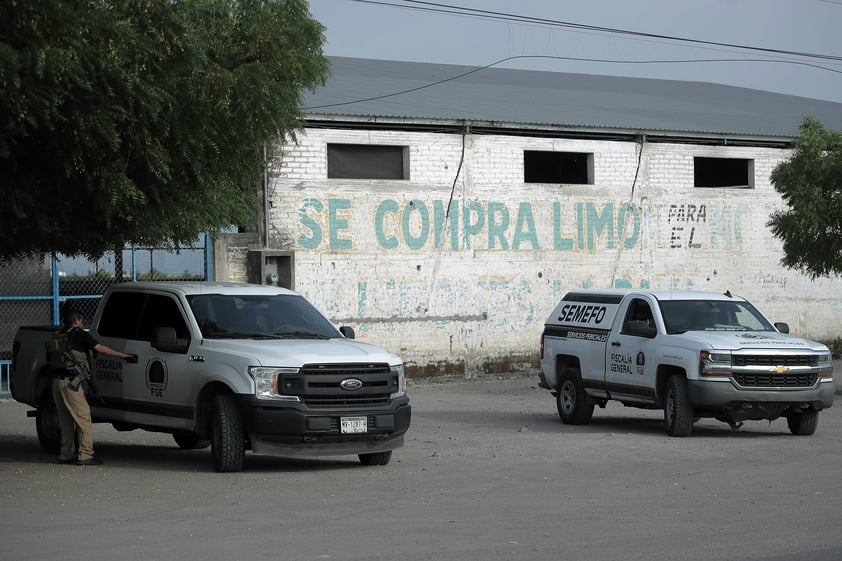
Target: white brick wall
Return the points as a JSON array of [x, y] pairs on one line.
[[366, 254]]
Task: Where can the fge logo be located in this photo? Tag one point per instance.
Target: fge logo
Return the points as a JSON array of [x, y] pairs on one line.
[[156, 377]]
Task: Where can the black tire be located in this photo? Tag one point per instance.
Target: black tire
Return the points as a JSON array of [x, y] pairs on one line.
[[575, 406], [804, 423], [188, 441], [228, 443], [678, 411], [46, 424], [376, 459]]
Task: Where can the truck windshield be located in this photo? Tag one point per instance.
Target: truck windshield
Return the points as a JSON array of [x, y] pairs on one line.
[[712, 315], [279, 316]]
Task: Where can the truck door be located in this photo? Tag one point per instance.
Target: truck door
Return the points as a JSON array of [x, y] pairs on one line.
[[161, 386], [630, 355], [156, 390]]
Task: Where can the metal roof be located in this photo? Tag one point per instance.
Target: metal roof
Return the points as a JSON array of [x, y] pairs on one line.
[[388, 91]]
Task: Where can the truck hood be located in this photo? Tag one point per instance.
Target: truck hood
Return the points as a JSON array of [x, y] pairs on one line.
[[737, 340], [296, 352]]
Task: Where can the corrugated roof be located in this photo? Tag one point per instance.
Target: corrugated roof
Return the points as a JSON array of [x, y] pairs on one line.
[[411, 91]]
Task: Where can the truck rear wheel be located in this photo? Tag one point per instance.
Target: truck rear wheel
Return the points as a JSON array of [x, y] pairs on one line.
[[678, 411], [804, 423], [228, 443], [47, 427], [376, 459], [575, 406]]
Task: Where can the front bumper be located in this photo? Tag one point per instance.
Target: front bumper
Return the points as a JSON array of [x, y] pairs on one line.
[[291, 429], [722, 394]]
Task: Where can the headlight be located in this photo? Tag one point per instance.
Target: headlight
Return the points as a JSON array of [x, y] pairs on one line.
[[825, 363], [715, 363], [269, 382], [398, 370]]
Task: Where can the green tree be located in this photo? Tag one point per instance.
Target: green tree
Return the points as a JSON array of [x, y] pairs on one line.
[[143, 121], [810, 183]]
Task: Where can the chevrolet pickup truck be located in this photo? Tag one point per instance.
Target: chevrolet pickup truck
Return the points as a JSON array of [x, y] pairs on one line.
[[234, 366], [692, 354]]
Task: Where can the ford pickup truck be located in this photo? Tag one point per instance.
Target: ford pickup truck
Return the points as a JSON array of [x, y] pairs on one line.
[[234, 366], [692, 354]]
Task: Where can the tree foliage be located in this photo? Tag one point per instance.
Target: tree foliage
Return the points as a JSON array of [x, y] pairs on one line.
[[143, 121], [810, 183]]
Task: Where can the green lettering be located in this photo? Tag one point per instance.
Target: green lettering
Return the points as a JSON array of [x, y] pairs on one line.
[[386, 207], [559, 243], [314, 240], [525, 227], [424, 215], [335, 223], [599, 222], [497, 227], [472, 228]]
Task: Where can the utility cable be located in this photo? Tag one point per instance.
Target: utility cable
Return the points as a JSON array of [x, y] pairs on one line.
[[489, 14]]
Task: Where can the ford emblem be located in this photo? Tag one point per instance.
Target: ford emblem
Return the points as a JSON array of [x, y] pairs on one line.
[[351, 384]]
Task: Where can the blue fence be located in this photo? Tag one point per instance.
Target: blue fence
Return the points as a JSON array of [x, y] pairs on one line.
[[34, 291]]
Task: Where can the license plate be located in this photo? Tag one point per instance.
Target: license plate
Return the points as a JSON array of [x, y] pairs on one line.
[[353, 425]]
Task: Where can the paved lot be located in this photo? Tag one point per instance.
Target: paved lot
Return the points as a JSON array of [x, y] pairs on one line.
[[488, 473]]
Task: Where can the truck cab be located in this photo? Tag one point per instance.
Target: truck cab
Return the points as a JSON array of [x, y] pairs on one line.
[[692, 354], [236, 367]]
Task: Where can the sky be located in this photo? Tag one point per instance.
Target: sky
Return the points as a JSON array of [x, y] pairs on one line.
[[794, 46]]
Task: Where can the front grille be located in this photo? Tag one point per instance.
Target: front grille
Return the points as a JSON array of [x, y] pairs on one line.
[[344, 401], [344, 369], [774, 360], [320, 385], [775, 380]]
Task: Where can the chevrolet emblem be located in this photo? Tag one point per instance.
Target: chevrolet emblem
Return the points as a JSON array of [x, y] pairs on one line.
[[780, 369]]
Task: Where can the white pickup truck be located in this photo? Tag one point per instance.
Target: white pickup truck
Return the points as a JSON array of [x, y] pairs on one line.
[[232, 365], [692, 354]]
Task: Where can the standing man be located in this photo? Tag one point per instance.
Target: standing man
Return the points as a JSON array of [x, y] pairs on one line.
[[74, 413]]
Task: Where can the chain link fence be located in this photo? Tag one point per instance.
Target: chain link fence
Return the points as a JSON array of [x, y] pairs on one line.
[[35, 291]]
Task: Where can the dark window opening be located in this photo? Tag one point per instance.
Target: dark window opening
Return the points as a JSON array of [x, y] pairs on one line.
[[367, 161], [557, 167], [723, 172]]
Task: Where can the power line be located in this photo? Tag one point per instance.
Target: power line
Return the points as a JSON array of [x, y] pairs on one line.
[[436, 7]]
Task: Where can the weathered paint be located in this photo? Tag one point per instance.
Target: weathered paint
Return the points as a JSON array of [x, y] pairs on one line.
[[592, 225], [457, 273]]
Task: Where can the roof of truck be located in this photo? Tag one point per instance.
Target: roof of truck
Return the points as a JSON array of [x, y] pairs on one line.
[[617, 293], [189, 288]]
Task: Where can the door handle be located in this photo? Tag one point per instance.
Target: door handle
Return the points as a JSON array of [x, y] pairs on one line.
[[615, 343]]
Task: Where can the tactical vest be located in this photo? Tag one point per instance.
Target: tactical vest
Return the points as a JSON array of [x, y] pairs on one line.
[[56, 345]]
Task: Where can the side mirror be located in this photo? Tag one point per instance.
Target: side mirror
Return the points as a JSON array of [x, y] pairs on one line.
[[347, 331], [164, 339], [781, 326]]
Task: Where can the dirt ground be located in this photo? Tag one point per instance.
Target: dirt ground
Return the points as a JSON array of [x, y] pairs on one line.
[[488, 472]]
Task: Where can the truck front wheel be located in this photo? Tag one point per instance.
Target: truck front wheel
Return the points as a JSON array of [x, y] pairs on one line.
[[228, 443], [575, 406], [678, 411], [804, 423]]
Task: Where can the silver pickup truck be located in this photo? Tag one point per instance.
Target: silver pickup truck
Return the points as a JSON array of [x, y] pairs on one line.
[[229, 365], [692, 354]]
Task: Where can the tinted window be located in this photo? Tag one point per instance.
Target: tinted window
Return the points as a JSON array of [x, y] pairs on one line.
[[282, 316], [162, 311], [121, 314], [712, 315], [367, 161]]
